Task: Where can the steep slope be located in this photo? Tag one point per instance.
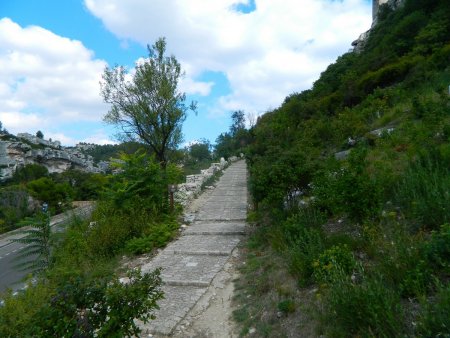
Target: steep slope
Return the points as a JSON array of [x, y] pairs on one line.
[[350, 184]]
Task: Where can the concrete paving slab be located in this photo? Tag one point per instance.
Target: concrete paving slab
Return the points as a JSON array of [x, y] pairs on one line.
[[174, 307], [213, 245], [186, 269], [215, 228]]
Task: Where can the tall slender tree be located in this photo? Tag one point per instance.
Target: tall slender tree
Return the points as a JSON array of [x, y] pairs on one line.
[[146, 103]]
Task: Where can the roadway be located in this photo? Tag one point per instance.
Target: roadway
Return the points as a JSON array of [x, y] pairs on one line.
[[12, 277]]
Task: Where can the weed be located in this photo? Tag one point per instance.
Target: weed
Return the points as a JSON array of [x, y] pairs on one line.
[[286, 306], [365, 309], [336, 260], [434, 320], [423, 193]]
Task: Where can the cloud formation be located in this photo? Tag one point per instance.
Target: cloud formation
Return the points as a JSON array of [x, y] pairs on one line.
[[46, 80], [278, 48]]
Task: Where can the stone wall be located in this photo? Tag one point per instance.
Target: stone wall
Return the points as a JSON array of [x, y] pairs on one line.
[[186, 192]]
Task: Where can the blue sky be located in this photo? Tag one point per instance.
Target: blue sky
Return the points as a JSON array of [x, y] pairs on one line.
[[237, 54]]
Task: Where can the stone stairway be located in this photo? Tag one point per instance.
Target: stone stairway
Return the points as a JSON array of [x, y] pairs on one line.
[[190, 263]]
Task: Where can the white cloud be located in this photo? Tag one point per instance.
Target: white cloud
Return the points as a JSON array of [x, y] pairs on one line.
[[46, 80], [279, 48], [189, 86]]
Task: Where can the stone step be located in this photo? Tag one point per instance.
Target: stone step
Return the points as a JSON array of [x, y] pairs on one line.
[[196, 283], [192, 270], [216, 228], [177, 302], [213, 245]]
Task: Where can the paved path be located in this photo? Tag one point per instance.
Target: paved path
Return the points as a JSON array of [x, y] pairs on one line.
[[191, 262]]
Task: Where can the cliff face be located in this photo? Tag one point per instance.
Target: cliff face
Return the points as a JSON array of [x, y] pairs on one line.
[[358, 44], [16, 152]]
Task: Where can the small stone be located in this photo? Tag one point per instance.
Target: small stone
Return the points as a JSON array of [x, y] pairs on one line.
[[279, 314], [252, 330]]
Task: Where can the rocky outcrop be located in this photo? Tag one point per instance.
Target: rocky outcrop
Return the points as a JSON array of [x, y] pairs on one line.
[[16, 152], [359, 44]]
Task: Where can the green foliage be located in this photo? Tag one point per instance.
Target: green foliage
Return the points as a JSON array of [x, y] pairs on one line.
[[140, 179], [286, 306], [391, 99], [138, 246], [39, 134], [86, 186], [18, 312], [14, 206], [29, 173], [105, 152], [197, 156], [235, 141], [367, 309], [200, 151], [55, 194], [100, 308], [37, 240], [158, 236], [349, 189], [437, 249], [149, 107], [333, 262], [434, 320], [304, 244], [422, 193]]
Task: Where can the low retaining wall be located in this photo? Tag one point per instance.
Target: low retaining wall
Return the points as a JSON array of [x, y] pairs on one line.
[[186, 192]]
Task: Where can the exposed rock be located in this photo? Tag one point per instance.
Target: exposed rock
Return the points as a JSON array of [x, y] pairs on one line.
[[16, 152], [359, 44]]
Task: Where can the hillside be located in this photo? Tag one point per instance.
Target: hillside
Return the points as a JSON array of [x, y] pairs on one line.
[[350, 186]]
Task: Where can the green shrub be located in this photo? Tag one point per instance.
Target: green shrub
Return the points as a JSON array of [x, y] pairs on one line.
[[416, 280], [100, 307], [434, 320], [367, 309], [422, 193], [158, 235], [333, 261], [29, 173], [19, 311], [286, 306], [349, 189], [14, 206], [400, 258], [437, 249], [55, 194], [138, 246], [304, 245]]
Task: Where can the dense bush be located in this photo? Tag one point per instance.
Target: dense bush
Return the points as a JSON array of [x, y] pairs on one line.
[[367, 309], [14, 206], [423, 193]]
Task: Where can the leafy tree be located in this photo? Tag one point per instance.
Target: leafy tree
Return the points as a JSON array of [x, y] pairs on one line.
[[39, 134], [14, 205], [238, 118], [148, 107], [29, 173], [224, 145], [46, 190], [200, 151]]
